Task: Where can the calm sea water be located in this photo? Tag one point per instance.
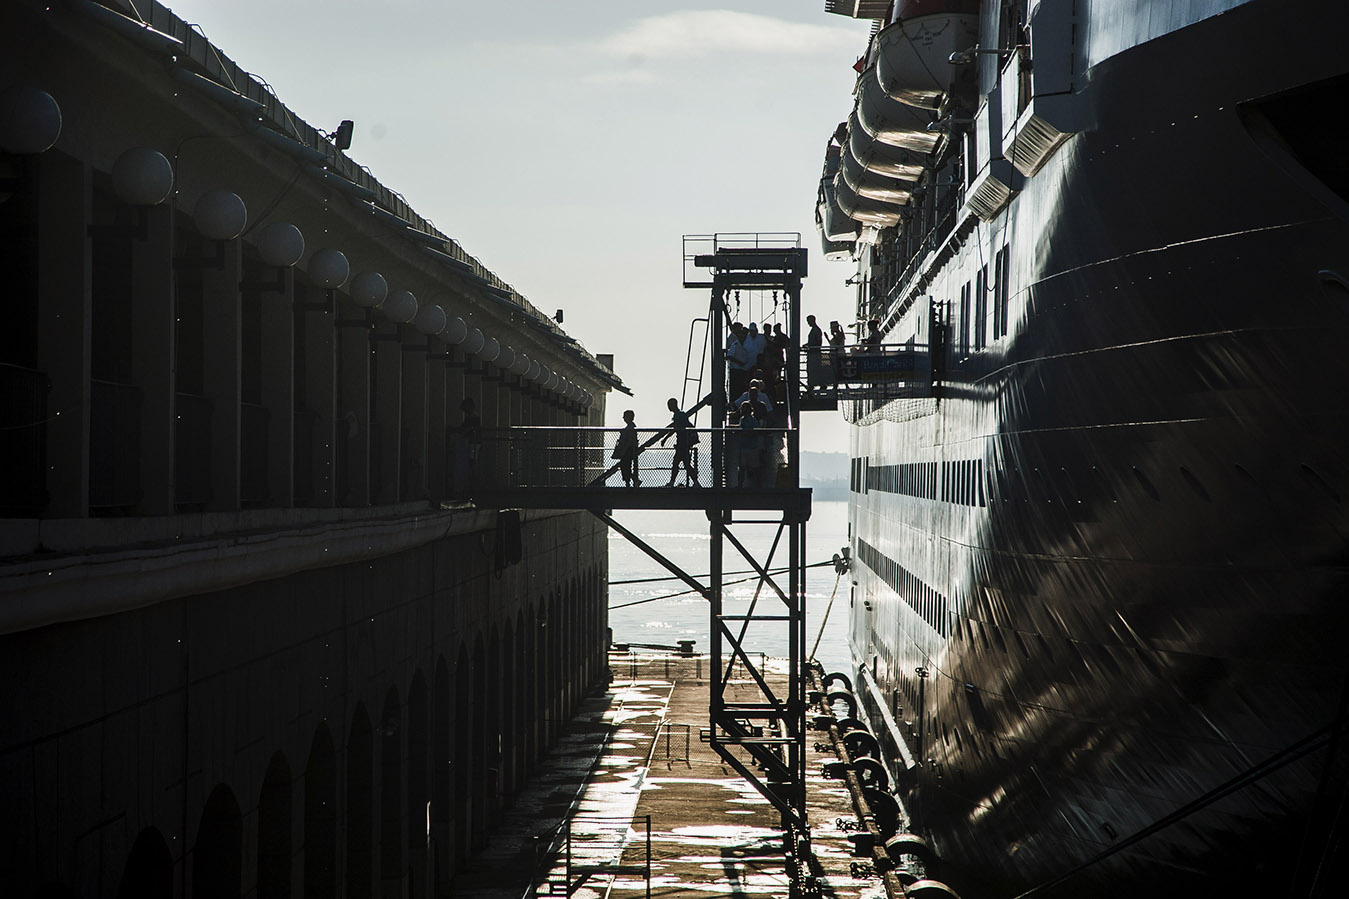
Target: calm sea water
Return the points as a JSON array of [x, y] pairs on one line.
[[648, 613]]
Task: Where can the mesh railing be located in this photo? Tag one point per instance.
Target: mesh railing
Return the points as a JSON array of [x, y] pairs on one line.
[[883, 372], [511, 458]]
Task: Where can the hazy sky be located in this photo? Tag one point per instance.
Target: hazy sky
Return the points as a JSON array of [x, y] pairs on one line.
[[569, 144]]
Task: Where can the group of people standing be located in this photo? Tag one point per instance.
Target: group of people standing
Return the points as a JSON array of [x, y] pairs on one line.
[[756, 360], [819, 368]]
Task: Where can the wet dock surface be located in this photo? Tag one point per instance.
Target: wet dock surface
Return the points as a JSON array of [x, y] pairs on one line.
[[635, 752]]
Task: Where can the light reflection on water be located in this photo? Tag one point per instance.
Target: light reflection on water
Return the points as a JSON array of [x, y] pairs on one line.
[[683, 538]]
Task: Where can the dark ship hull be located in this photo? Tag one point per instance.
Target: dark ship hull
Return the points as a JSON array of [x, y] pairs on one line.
[[1114, 536]]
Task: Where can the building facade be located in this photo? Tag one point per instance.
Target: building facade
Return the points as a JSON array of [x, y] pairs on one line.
[[253, 640]]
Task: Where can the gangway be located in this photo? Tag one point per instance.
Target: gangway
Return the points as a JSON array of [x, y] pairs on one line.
[[741, 480]]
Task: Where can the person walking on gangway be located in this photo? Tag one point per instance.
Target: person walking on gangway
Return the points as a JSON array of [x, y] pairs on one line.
[[625, 451], [685, 438]]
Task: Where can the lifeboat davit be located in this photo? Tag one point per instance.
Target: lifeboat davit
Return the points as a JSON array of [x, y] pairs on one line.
[[882, 158], [913, 53], [865, 210], [891, 121]]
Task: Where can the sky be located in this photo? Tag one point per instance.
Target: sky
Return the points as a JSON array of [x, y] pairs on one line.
[[569, 144]]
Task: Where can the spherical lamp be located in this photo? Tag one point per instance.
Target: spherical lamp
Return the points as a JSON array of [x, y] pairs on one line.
[[142, 177], [474, 342], [521, 364], [532, 373], [368, 289], [280, 244], [30, 120], [430, 320], [399, 306], [456, 331], [329, 268], [551, 382], [220, 214], [491, 349], [506, 359]]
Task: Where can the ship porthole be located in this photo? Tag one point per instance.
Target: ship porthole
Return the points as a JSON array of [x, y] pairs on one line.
[[1334, 284], [1311, 476], [1146, 485], [1195, 484]]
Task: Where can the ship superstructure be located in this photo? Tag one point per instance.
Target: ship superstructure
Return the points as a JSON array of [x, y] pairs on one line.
[[1099, 592]]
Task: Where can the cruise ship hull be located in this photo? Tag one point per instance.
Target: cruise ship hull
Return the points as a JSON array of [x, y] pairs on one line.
[[1114, 539]]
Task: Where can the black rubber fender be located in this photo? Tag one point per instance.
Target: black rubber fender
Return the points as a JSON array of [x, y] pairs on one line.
[[905, 877], [836, 676], [860, 743], [845, 697], [847, 724], [902, 844], [931, 889], [871, 773], [884, 808]]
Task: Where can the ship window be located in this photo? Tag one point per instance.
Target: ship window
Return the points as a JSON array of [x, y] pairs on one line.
[[963, 328], [980, 308], [1000, 293]]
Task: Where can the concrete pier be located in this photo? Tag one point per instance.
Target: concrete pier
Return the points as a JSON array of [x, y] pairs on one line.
[[632, 752]]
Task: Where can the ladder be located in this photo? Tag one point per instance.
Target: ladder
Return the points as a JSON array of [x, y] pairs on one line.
[[699, 360]]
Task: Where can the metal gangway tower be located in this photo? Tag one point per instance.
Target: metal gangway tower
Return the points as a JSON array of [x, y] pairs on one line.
[[761, 736], [756, 717]]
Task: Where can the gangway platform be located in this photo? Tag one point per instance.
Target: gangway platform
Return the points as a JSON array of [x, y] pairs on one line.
[[573, 468]]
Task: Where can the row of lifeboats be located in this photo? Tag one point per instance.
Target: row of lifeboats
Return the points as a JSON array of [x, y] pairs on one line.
[[894, 135]]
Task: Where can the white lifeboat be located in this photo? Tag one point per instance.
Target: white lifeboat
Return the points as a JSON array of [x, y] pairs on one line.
[[891, 121], [882, 158], [875, 186], [913, 53], [864, 209], [837, 229]]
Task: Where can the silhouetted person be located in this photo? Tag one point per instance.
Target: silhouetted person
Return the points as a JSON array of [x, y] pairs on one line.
[[625, 451], [685, 437], [749, 444]]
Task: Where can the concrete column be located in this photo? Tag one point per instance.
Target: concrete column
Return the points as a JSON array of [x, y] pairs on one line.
[[356, 354], [439, 414], [153, 312], [320, 379], [65, 316], [278, 388], [491, 397], [470, 386], [413, 436], [387, 402], [222, 318]]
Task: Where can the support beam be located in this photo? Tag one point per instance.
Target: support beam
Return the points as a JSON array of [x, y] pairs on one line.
[[651, 551]]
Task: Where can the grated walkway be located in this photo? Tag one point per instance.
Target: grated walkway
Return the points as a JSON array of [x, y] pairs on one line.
[[625, 756]]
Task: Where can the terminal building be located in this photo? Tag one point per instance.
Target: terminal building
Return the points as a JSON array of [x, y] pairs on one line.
[[253, 642]]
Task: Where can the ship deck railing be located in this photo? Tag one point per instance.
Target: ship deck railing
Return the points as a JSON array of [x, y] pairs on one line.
[[575, 468], [865, 374]]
